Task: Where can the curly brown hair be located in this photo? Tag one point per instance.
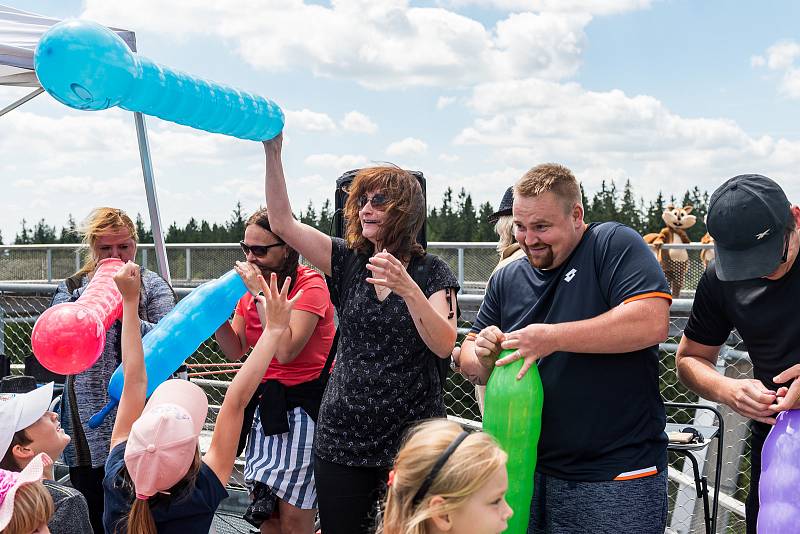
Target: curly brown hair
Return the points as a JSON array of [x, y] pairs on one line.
[[405, 211]]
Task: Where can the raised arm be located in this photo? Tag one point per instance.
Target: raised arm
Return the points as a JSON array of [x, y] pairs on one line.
[[222, 452], [309, 242], [134, 389]]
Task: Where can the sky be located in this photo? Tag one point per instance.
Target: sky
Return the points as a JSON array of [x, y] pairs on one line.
[[670, 94]]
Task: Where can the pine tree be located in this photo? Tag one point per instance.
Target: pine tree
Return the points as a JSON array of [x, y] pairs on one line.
[[145, 235], [629, 212], [466, 217], [236, 224], [24, 236], [653, 220], [604, 204], [326, 217], [309, 217], [44, 233], [485, 228], [69, 233]]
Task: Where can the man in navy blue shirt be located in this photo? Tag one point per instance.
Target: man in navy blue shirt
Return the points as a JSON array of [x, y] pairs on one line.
[[589, 304], [753, 285]]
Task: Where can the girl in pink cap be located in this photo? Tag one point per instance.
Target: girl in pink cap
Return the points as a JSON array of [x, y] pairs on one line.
[[25, 504], [156, 479]]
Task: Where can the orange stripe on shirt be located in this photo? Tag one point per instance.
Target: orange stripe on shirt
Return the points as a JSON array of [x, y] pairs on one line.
[[652, 294], [641, 473]]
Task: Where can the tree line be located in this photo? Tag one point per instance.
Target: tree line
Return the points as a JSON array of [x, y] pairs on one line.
[[456, 218]]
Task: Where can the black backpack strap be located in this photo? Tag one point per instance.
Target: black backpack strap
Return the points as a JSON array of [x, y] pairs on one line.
[[351, 267]]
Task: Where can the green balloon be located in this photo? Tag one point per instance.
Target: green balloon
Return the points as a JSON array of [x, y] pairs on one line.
[[513, 416]]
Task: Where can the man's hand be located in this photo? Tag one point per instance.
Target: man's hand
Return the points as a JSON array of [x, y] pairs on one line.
[[487, 346], [750, 398], [532, 343], [787, 398], [129, 281]]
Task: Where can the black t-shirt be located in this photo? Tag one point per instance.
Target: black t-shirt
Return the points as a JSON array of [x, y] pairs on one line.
[[761, 310], [192, 512], [385, 378], [603, 416]]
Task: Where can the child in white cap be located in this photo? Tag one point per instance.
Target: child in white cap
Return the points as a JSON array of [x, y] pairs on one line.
[[28, 429]]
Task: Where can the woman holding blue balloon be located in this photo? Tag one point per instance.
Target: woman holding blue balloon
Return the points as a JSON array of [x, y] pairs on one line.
[[109, 233], [391, 332], [280, 418]]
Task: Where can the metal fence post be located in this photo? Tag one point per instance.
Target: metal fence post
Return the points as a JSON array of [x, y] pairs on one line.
[[188, 264], [49, 265], [144, 258], [461, 268]]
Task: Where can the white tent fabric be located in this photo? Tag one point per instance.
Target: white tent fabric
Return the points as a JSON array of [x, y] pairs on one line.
[[20, 31]]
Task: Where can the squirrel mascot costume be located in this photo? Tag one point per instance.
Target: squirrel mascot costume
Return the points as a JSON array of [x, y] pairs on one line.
[[675, 261]]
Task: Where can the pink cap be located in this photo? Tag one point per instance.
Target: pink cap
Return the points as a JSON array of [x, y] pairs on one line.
[[10, 482], [162, 442]]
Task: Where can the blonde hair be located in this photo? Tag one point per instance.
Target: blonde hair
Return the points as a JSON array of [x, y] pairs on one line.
[[467, 469], [33, 507], [504, 228], [102, 221], [550, 178]]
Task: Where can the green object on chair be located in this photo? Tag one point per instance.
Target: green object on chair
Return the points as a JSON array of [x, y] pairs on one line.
[[513, 416]]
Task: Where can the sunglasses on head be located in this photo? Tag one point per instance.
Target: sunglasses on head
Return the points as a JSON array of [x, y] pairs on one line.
[[786, 240], [258, 250], [378, 200]]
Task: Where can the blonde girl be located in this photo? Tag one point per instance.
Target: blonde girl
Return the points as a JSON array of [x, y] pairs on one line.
[[446, 480], [25, 504]]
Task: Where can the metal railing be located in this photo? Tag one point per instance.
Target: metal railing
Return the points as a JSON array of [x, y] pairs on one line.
[[21, 303]]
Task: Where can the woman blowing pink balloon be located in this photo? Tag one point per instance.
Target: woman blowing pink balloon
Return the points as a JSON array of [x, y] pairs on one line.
[[109, 233]]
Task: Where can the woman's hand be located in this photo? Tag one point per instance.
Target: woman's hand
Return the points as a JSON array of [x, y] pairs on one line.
[[279, 308], [249, 274], [129, 281], [388, 271], [272, 147]]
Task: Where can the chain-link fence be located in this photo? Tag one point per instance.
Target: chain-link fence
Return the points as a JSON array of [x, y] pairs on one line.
[[21, 304]]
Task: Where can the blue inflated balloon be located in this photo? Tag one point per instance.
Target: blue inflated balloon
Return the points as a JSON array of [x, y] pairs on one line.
[[86, 66], [195, 318]]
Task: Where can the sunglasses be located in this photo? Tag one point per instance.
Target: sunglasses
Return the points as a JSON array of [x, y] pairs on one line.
[[258, 250], [378, 201]]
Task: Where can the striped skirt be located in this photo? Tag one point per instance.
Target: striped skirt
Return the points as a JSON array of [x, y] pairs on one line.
[[284, 461]]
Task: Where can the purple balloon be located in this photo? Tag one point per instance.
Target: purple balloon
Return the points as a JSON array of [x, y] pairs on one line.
[[779, 487]]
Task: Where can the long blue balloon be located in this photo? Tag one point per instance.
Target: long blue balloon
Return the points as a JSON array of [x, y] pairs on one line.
[[179, 333], [88, 67]]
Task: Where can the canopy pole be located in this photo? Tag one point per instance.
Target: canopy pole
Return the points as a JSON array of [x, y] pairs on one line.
[[152, 197], [18, 103]]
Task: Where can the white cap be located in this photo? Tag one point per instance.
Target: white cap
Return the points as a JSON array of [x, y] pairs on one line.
[[18, 411]]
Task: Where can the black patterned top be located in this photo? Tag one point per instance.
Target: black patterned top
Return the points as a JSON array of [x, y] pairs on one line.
[[385, 377]]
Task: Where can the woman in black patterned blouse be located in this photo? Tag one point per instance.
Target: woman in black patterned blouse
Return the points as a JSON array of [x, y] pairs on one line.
[[391, 332]]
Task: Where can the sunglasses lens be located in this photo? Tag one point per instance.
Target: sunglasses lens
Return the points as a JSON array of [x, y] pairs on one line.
[[379, 200]]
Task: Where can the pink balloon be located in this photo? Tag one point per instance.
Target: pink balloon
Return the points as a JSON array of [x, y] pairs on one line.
[[69, 337]]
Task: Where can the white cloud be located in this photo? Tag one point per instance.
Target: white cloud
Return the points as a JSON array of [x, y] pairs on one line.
[[407, 147], [309, 121], [782, 57], [357, 122], [595, 7], [448, 158], [610, 135], [336, 162], [396, 44], [444, 101]]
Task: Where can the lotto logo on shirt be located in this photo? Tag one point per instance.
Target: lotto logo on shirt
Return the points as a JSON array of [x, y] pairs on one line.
[[570, 275]]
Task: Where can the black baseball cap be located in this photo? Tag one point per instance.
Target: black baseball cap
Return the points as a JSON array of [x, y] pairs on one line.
[[505, 206], [747, 217]]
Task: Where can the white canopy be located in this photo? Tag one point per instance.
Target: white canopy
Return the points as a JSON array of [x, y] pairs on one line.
[[20, 31]]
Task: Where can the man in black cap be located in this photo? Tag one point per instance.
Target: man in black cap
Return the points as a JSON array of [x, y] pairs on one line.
[[753, 285]]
